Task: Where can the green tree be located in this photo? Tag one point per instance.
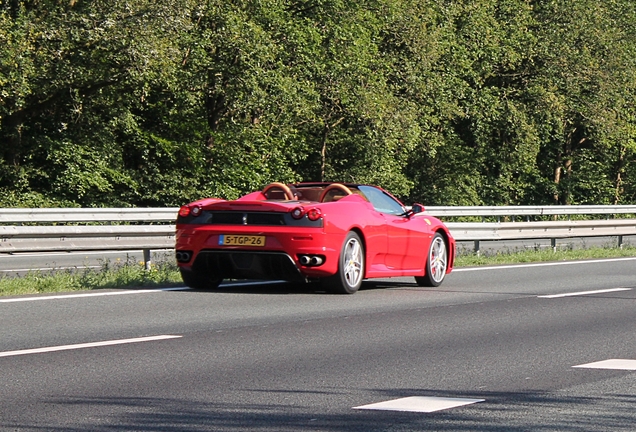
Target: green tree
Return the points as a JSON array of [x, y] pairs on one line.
[[480, 143], [141, 102], [585, 76], [71, 76]]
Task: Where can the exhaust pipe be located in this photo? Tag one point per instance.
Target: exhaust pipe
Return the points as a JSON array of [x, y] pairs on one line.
[[183, 256], [311, 260]]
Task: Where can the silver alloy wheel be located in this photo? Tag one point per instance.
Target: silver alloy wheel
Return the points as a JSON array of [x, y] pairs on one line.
[[437, 259], [353, 262]]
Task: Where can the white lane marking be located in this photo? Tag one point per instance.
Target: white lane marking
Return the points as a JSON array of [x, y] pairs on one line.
[[582, 293], [91, 294], [419, 404], [545, 264], [619, 364], [127, 292], [86, 345]]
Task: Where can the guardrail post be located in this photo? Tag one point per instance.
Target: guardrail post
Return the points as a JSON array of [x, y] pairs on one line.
[[147, 262], [553, 243], [620, 242], [476, 249]]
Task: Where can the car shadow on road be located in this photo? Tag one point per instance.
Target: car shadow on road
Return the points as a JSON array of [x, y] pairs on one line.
[[269, 287], [500, 411], [282, 287]]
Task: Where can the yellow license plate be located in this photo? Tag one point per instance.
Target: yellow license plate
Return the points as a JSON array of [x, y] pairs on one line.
[[241, 240]]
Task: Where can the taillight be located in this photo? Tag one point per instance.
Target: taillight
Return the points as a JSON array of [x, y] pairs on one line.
[[298, 212], [184, 211], [187, 210], [314, 214]]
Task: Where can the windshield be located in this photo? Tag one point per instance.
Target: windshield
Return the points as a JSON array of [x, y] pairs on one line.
[[382, 202]]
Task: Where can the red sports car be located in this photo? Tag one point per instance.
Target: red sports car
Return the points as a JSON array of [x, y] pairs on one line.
[[336, 233]]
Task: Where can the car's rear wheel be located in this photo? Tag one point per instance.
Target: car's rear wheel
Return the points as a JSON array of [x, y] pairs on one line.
[[436, 262], [351, 264], [198, 280]]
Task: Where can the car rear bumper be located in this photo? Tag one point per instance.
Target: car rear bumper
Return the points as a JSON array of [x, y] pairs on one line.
[[232, 264], [278, 259]]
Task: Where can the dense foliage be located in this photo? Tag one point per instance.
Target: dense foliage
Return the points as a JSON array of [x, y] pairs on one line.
[[464, 102]]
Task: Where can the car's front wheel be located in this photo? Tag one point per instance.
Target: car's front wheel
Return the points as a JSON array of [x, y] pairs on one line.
[[198, 280], [436, 262], [350, 267]]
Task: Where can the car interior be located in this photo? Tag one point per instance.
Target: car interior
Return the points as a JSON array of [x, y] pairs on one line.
[[276, 191]]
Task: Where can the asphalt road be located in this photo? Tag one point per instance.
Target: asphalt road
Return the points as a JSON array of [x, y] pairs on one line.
[[493, 348]]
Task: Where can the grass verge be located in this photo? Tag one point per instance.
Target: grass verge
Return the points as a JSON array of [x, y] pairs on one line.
[[117, 274], [542, 255], [164, 273]]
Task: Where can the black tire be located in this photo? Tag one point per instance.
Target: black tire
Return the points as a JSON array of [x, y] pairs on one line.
[[351, 266], [198, 280], [436, 263]]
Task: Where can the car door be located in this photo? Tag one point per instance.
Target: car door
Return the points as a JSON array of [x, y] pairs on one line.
[[404, 248], [404, 244]]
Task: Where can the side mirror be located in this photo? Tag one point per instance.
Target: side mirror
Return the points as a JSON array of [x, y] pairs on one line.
[[417, 208]]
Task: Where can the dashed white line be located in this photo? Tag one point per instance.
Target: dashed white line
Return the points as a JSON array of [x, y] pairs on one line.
[[126, 292], [542, 264], [423, 404], [583, 293], [86, 345], [91, 294], [617, 364]]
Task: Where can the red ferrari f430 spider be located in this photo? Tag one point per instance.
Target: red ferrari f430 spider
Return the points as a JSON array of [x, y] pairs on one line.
[[335, 233]]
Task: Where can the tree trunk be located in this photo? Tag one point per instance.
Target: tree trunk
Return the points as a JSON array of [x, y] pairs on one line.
[[14, 124], [557, 178], [323, 153], [620, 168]]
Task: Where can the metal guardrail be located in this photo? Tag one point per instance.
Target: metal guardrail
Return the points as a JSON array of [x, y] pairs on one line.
[[478, 232], [69, 215], [71, 229], [552, 230], [527, 211], [87, 229]]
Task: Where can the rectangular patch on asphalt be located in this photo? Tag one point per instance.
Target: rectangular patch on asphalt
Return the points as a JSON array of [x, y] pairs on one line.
[[420, 404], [618, 364]]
